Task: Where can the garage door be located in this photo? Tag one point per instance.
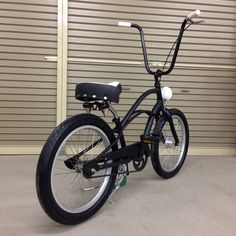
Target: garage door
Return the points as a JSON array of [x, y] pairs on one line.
[[203, 82], [28, 32]]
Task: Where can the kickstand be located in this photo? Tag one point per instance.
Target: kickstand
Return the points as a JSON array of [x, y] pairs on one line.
[[121, 180]]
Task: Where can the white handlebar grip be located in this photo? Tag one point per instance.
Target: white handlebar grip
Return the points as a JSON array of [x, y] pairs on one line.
[[193, 14], [124, 24]]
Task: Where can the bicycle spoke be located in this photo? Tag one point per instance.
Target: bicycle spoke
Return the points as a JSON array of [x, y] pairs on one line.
[[79, 192], [170, 155]]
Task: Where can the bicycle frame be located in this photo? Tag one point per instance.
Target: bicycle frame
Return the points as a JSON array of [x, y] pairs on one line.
[[133, 151], [84, 144]]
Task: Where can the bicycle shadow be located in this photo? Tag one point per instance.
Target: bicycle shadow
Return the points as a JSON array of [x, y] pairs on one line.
[[146, 181]]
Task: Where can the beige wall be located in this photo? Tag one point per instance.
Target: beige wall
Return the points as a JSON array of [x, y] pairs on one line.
[[28, 32], [204, 82]]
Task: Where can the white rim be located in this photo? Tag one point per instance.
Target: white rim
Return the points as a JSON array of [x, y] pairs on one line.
[[67, 204]]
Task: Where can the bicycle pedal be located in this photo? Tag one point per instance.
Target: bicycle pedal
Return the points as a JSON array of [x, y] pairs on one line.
[[148, 139]]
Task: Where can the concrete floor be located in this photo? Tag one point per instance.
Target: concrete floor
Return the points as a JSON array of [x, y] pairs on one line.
[[200, 200]]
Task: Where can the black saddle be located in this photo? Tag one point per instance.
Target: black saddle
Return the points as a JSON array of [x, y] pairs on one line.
[[98, 91]]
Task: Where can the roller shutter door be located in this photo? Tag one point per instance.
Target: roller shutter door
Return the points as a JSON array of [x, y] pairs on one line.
[[204, 82], [28, 32]]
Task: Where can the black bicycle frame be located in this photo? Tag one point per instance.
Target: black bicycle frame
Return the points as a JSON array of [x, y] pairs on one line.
[[127, 153], [152, 115]]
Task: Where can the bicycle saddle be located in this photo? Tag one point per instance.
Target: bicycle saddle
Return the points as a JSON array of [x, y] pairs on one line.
[[98, 91]]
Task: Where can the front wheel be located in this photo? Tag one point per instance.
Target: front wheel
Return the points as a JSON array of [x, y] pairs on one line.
[[64, 193], [168, 158]]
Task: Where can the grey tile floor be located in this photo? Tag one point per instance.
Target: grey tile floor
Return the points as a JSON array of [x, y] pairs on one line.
[[200, 200]]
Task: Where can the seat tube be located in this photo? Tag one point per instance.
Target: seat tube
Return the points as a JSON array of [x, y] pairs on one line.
[[117, 122], [113, 111]]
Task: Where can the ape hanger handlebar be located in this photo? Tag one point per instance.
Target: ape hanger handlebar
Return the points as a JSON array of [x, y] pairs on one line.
[[189, 18]]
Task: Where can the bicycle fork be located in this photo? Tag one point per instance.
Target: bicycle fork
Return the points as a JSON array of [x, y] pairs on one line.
[[168, 117]]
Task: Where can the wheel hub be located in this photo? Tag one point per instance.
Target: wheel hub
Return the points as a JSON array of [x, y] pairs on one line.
[[170, 143]]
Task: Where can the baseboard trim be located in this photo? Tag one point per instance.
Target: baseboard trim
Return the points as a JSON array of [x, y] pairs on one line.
[[19, 150], [212, 151]]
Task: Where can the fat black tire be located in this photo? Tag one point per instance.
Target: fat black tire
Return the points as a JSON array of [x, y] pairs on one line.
[[155, 152], [44, 169]]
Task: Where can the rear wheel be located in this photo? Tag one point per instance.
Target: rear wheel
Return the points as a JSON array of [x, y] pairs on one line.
[[64, 193], [167, 158]]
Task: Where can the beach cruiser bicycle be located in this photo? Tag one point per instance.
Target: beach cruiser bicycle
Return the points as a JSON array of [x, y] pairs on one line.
[[83, 159]]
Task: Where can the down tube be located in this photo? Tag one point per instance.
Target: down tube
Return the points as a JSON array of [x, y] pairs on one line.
[[156, 109]]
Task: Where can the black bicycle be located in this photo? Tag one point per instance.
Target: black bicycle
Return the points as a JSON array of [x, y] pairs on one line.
[[83, 160]]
